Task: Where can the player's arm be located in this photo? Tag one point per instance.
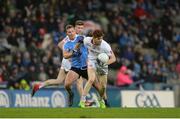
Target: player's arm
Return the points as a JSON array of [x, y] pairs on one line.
[[60, 44], [112, 58], [111, 55], [80, 41], [67, 54]]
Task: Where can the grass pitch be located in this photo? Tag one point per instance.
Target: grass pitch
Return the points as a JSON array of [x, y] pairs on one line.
[[89, 113]]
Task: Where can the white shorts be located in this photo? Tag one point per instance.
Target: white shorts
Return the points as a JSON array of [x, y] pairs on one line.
[[66, 64], [101, 70]]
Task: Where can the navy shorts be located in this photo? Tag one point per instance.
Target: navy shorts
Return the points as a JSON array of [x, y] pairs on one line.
[[80, 71]]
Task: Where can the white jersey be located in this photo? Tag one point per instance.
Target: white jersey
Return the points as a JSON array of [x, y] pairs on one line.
[[94, 50]]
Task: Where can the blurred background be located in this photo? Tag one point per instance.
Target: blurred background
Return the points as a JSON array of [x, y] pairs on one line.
[[144, 35]]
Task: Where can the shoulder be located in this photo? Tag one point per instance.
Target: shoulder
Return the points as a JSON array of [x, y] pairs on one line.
[[87, 39], [105, 43], [80, 37], [66, 39]]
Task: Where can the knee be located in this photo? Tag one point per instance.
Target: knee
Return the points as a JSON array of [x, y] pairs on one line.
[[91, 81], [59, 81], [79, 85], [79, 82], [103, 87]]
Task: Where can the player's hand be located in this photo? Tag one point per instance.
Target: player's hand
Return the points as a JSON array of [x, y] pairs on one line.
[[101, 64], [80, 39]]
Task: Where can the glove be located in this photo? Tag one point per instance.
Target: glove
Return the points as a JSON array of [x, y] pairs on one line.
[[80, 39]]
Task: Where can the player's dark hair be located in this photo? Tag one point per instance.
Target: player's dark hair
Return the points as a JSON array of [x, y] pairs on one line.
[[79, 22], [97, 33], [69, 26]]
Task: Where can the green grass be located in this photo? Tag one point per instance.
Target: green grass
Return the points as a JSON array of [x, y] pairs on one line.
[[90, 112]]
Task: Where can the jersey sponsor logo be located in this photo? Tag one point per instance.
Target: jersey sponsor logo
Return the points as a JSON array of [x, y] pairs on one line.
[[58, 99], [147, 100], [4, 99]]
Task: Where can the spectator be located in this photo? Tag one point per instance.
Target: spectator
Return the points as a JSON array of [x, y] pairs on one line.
[[124, 77], [24, 85], [32, 73], [42, 74], [178, 69], [1, 76]]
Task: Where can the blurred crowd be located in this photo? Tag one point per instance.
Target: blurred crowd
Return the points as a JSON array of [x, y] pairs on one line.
[[144, 35]]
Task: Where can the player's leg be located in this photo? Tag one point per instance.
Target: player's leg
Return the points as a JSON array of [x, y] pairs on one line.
[[65, 67], [102, 73], [59, 80], [103, 83], [79, 85], [88, 85], [98, 87], [70, 78]]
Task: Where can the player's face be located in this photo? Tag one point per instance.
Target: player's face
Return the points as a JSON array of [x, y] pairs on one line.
[[79, 29], [97, 41], [71, 33]]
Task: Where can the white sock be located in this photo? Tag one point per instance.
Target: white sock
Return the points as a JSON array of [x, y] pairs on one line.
[[83, 98]]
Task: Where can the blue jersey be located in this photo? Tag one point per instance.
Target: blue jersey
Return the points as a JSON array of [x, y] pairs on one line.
[[79, 58]]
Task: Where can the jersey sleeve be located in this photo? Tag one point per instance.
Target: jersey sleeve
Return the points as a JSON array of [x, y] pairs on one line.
[[108, 49], [66, 47], [86, 40]]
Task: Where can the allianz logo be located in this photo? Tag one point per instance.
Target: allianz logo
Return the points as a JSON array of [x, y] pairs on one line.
[[4, 99], [147, 100], [25, 100], [54, 99]]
